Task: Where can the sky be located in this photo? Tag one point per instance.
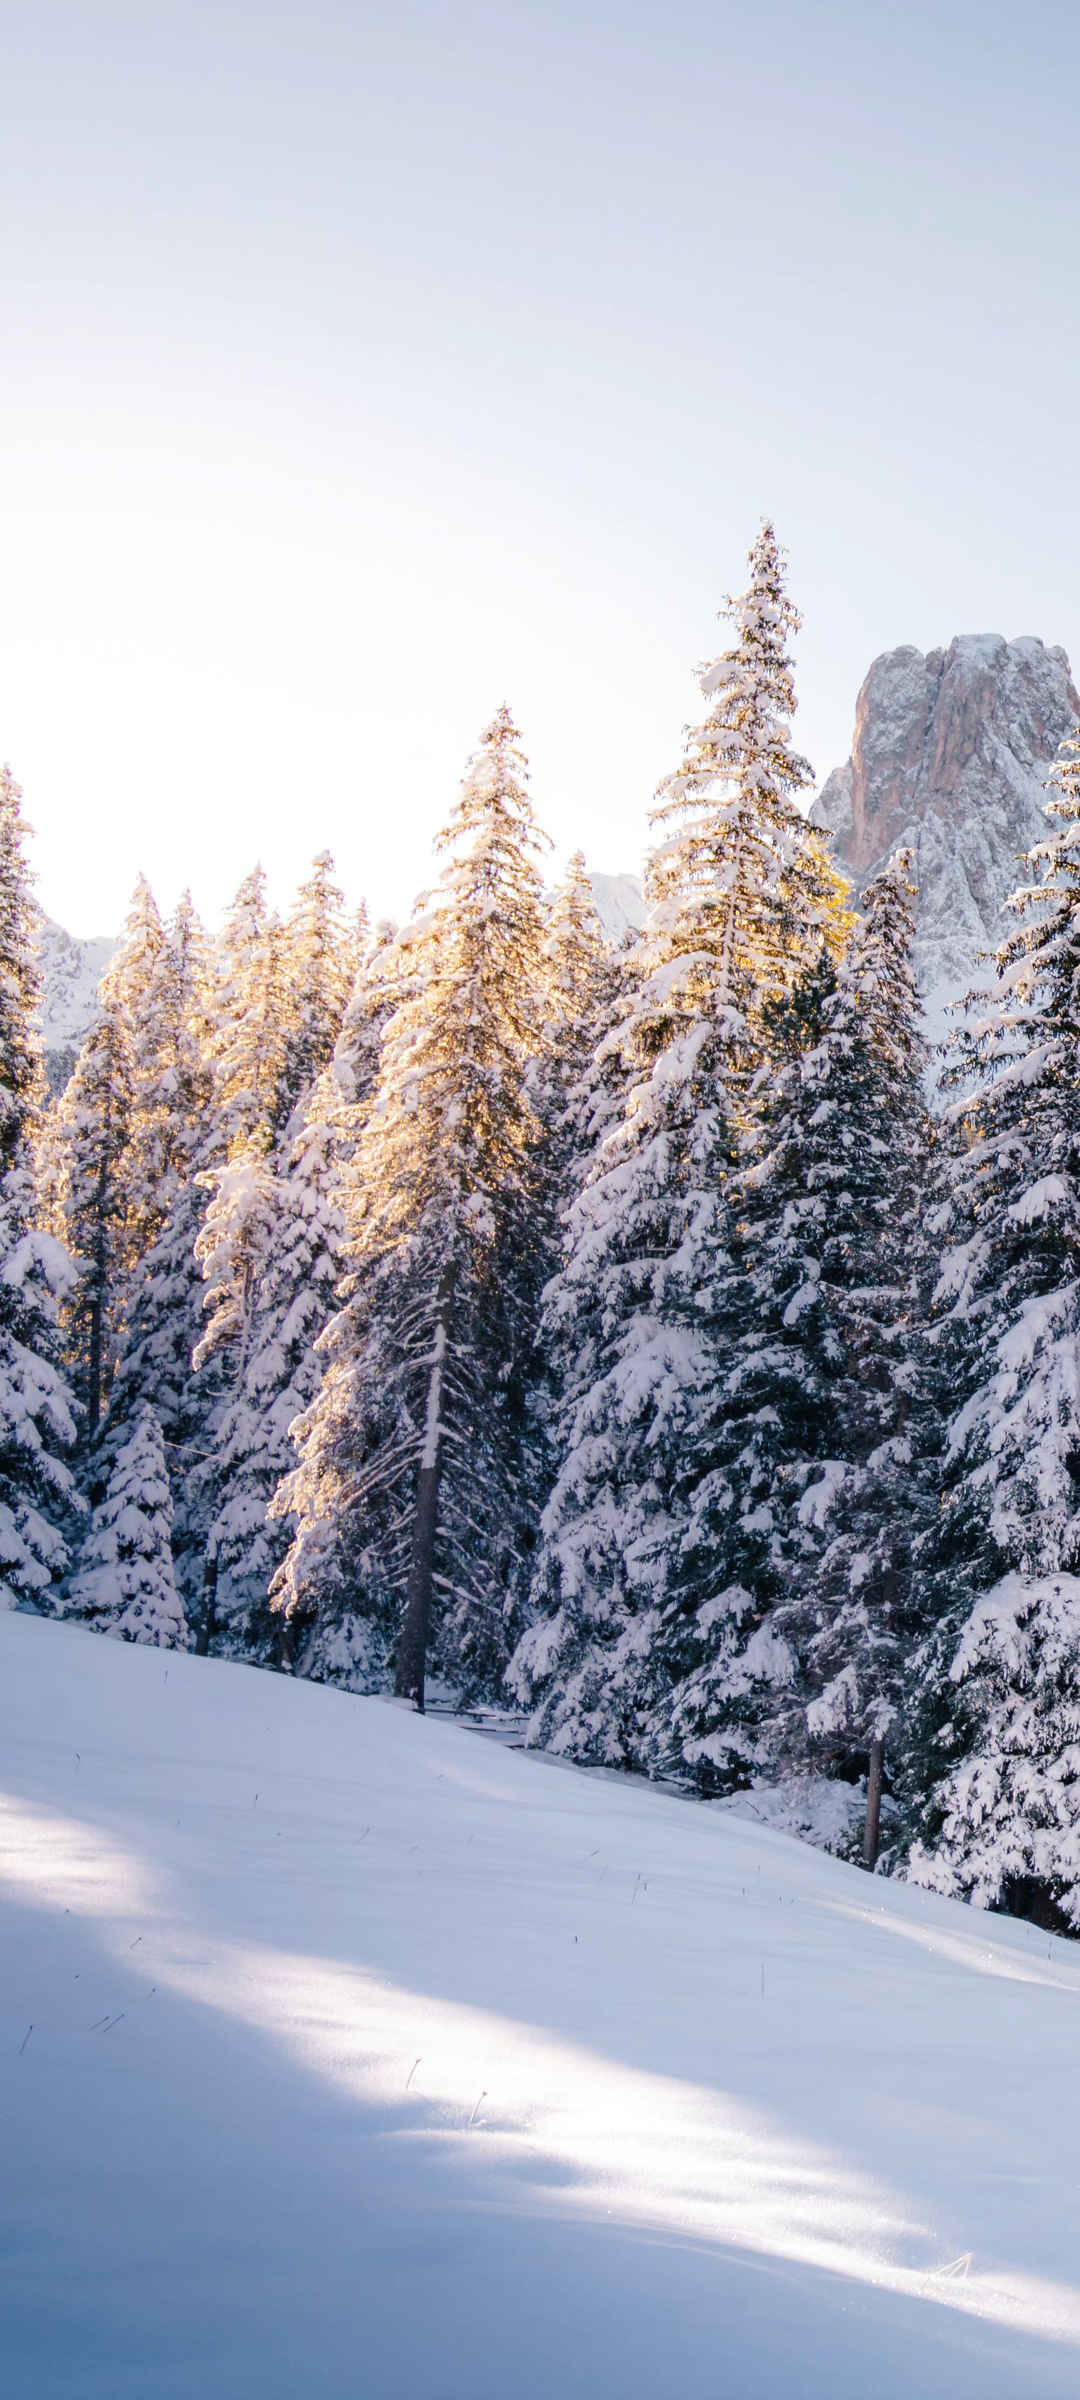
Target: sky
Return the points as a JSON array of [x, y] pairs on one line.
[[368, 367]]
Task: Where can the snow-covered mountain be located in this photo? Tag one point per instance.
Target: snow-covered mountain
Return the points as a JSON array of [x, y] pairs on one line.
[[950, 758], [72, 970], [620, 904]]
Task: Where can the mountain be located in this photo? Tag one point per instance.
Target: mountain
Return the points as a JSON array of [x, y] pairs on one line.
[[950, 759], [72, 970], [620, 905]]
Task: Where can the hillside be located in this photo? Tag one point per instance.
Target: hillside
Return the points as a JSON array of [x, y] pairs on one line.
[[367, 2056]]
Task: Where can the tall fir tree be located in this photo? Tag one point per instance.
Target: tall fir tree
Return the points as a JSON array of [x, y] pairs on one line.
[[92, 1139], [38, 1497], [995, 1760], [162, 1298], [822, 1424], [318, 964], [406, 1493], [638, 1319]]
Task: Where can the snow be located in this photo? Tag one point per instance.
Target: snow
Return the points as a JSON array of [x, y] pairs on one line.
[[72, 970], [344, 2052]]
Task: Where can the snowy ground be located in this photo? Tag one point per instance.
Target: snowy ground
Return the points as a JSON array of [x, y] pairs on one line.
[[369, 2058]]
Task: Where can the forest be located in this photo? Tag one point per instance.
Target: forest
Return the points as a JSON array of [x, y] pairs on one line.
[[476, 1311]]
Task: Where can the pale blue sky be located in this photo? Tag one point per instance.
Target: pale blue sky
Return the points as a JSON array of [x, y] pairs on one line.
[[364, 367]]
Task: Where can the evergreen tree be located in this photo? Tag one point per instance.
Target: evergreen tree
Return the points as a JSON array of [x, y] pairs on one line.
[[823, 1419], [995, 1761], [22, 1077], [250, 1026], [405, 1495], [639, 1318], [162, 1297], [124, 1584], [294, 1232], [93, 1128], [38, 1500], [130, 987], [317, 957]]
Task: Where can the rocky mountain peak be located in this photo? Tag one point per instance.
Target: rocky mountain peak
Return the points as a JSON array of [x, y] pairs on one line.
[[950, 757]]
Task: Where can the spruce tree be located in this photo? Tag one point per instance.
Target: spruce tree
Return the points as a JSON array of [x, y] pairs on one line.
[[22, 1078], [124, 1584], [638, 1320], [295, 1235], [317, 956], [824, 1415], [162, 1297], [406, 1499], [38, 1498], [995, 1759], [93, 1132]]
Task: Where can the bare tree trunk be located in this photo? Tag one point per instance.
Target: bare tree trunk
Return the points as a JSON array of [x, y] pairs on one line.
[[413, 1643], [208, 1620], [872, 1826], [96, 1369]]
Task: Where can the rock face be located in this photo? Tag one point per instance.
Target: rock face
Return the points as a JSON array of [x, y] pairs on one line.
[[950, 759], [71, 971]]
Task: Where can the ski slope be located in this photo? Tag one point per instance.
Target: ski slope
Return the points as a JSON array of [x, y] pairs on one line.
[[369, 2058]]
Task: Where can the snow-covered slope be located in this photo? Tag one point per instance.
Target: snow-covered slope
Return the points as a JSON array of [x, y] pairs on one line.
[[345, 2053], [950, 758], [72, 970]]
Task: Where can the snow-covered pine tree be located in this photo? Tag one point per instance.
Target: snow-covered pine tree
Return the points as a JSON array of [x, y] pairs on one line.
[[22, 1075], [131, 985], [995, 1763], [163, 1292], [92, 1135], [317, 955], [124, 1583], [38, 1499], [584, 983], [825, 1402], [248, 1012], [296, 1233], [638, 1321], [406, 1499]]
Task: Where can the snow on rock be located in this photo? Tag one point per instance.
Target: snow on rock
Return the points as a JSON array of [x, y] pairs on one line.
[[949, 760], [72, 970], [344, 2052], [620, 905]]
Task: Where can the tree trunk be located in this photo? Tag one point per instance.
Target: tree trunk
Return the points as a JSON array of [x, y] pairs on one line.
[[872, 1827], [95, 1376], [413, 1643], [208, 1620]]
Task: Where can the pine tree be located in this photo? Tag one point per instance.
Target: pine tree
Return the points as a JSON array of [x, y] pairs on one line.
[[130, 986], [22, 1078], [250, 1026], [93, 1129], [124, 1584], [405, 1495], [316, 960], [162, 1295], [638, 1319], [995, 1758], [825, 1411], [38, 1499], [295, 1233]]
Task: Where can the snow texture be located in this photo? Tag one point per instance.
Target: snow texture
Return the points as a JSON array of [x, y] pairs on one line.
[[344, 2052]]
